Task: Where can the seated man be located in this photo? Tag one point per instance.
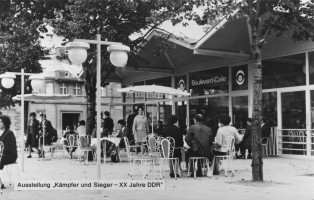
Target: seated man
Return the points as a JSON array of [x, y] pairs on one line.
[[199, 138], [223, 133], [124, 132]]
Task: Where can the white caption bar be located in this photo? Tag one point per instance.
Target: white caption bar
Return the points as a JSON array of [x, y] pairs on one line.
[[89, 185]]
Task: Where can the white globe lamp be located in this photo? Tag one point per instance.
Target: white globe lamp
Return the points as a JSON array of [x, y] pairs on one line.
[[118, 54], [77, 51], [37, 81], [7, 80]]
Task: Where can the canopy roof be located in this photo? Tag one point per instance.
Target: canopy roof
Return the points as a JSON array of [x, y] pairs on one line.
[[228, 40], [154, 89]]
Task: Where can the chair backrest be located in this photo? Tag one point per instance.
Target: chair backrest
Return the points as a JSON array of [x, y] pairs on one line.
[[230, 145], [165, 147], [126, 141], [172, 145], [72, 140], [1, 149], [127, 146], [152, 144], [83, 141]]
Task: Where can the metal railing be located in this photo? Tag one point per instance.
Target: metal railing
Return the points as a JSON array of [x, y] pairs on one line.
[[296, 141]]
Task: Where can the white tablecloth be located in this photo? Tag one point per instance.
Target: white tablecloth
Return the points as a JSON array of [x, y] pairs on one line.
[[114, 140]]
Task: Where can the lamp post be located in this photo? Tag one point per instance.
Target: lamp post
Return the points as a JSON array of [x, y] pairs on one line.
[[118, 57], [8, 81]]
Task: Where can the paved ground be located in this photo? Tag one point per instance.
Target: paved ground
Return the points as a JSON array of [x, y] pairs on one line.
[[284, 178]]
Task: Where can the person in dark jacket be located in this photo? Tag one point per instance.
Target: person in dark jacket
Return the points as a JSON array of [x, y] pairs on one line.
[[246, 142], [199, 138], [46, 129], [130, 120], [46, 133], [9, 153], [32, 134], [108, 124], [265, 131], [124, 132], [172, 130], [159, 128]]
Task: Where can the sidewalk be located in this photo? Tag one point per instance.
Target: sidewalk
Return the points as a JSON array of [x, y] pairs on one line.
[[284, 178]]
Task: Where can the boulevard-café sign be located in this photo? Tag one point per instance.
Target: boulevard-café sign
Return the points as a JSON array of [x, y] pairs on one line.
[[209, 78]]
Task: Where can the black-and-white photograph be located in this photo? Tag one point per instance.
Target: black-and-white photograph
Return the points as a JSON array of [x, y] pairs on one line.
[[156, 99]]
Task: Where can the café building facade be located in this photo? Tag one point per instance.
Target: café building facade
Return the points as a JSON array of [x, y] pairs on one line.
[[217, 71]]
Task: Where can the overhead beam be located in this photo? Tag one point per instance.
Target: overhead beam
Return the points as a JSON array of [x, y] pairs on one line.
[[226, 54], [148, 69], [169, 60]]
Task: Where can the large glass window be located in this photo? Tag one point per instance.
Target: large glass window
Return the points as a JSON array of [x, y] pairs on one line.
[[240, 111], [210, 108], [293, 121], [293, 110], [284, 71], [270, 108], [212, 81]]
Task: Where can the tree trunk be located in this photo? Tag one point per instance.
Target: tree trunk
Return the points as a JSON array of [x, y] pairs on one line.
[[257, 161]]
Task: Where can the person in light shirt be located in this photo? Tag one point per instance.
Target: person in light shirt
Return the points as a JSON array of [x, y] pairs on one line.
[[225, 131], [81, 129]]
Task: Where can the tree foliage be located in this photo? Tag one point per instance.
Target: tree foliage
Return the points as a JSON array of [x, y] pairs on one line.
[[19, 43], [115, 20]]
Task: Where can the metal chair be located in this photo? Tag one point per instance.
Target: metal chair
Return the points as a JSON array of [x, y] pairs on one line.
[[194, 160], [134, 158], [130, 147], [72, 143], [167, 146], [84, 146], [229, 157], [152, 147]]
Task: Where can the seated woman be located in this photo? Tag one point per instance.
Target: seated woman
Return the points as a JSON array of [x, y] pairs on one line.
[[69, 131], [221, 145], [172, 130], [124, 132], [9, 154]]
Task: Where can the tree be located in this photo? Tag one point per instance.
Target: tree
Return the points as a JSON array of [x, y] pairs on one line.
[[265, 17], [19, 43], [115, 21]]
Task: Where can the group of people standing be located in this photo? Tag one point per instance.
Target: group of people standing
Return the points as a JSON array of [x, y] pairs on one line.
[[39, 133]]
